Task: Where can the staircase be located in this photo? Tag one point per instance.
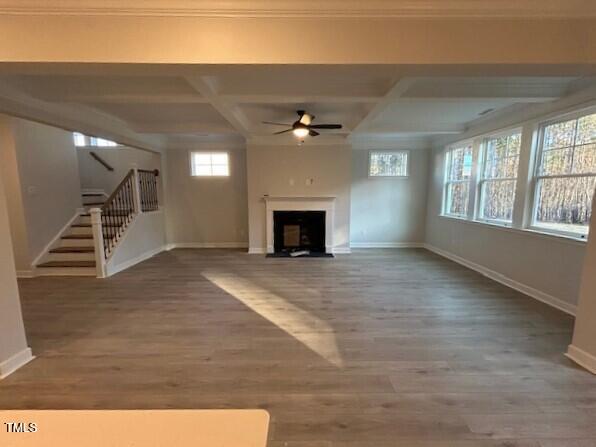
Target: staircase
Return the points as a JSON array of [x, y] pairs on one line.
[[85, 246], [74, 252]]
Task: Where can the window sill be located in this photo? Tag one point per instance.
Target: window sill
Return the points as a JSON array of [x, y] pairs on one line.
[[525, 231]]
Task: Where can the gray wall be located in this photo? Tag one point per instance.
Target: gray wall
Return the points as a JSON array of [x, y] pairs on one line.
[[12, 332], [283, 170], [206, 210], [48, 178], [388, 211], [122, 158]]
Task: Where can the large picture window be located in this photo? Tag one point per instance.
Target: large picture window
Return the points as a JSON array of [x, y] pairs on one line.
[[566, 176], [498, 177], [457, 180]]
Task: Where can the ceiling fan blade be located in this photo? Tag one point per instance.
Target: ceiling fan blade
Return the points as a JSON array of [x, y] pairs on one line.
[[276, 124], [313, 133], [283, 131], [325, 126]]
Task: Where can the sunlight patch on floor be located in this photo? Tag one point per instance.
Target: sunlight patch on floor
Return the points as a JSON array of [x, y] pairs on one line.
[[311, 331]]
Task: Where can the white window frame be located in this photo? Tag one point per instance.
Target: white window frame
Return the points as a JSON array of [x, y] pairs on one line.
[[536, 176], [447, 181], [191, 165], [390, 151], [481, 180]]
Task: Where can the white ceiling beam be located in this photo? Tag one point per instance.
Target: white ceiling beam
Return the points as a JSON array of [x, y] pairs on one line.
[[128, 98], [309, 8], [181, 128], [81, 119], [484, 98], [207, 87], [297, 99], [398, 89]]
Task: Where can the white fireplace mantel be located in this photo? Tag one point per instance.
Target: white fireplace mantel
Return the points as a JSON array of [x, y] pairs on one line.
[[278, 203]]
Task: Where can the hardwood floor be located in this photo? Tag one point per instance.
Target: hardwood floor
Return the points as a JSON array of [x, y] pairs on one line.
[[378, 348]]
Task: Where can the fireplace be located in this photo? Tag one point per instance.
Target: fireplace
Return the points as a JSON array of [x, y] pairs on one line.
[[299, 230]]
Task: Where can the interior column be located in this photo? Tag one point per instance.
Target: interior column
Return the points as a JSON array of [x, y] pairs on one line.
[[14, 351], [583, 348]]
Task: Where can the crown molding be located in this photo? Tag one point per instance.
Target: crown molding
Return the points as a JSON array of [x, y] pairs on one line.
[[308, 8]]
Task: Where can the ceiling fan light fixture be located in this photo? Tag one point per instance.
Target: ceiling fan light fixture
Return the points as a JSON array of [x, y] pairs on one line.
[[300, 132]]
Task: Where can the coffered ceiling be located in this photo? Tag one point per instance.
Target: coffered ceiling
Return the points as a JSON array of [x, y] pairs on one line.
[[181, 106]]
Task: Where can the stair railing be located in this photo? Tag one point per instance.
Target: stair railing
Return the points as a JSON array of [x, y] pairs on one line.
[[148, 190], [136, 193]]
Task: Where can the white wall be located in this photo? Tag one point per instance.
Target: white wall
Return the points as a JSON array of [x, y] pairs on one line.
[[13, 343], [583, 348], [545, 266], [48, 179], [388, 211], [207, 210], [122, 158], [145, 237], [283, 170]]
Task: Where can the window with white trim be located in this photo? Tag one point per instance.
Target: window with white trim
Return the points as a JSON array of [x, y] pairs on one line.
[[209, 164], [81, 140], [388, 163], [458, 175], [498, 177], [565, 176]]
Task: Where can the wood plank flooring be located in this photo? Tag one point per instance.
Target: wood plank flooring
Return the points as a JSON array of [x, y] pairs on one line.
[[379, 348]]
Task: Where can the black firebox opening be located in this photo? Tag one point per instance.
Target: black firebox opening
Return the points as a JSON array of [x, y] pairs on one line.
[[299, 230]]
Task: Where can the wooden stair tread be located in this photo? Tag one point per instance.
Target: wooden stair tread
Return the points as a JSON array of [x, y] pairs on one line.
[[92, 194], [73, 250], [85, 264], [93, 203], [77, 236]]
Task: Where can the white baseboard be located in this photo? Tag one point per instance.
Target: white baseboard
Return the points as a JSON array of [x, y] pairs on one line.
[[25, 274], [582, 358], [207, 245], [496, 276], [10, 365], [256, 251], [341, 250], [386, 244], [113, 269]]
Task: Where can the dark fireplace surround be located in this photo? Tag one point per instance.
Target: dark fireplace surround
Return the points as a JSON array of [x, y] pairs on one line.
[[299, 230]]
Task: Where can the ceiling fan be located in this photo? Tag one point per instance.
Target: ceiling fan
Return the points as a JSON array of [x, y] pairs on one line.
[[304, 127]]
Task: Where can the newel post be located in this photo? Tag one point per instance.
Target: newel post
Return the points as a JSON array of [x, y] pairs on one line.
[[137, 191], [100, 257]]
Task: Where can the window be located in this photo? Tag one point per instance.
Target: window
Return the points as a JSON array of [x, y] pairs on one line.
[[388, 164], [209, 164], [81, 140], [566, 176], [498, 177], [457, 180]]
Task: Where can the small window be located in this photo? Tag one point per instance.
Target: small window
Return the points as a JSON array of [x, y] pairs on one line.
[[388, 164], [566, 176], [81, 140], [209, 164], [457, 180], [498, 177]]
